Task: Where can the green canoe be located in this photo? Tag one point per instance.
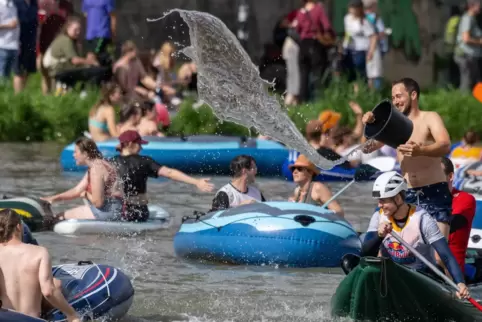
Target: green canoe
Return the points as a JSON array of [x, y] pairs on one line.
[[380, 290], [31, 210]]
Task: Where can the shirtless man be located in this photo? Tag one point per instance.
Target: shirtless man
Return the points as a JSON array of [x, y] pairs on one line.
[[26, 273], [420, 157]]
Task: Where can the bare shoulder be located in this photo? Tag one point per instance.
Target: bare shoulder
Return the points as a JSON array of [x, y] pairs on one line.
[[319, 186], [430, 116]]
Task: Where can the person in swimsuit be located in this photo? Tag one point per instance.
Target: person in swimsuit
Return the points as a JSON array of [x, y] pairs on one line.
[[100, 187], [240, 191], [419, 157], [413, 224], [135, 169], [26, 282], [307, 191], [102, 115], [130, 116]]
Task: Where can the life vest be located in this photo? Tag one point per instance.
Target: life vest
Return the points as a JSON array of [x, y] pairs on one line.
[[236, 197], [410, 233]]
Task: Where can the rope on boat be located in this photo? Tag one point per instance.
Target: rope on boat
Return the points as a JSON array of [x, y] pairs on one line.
[[383, 280]]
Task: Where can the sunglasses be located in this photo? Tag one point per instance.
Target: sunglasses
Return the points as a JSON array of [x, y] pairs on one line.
[[300, 169]]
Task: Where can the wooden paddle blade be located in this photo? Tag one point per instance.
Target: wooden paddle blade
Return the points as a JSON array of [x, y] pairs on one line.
[[366, 172]]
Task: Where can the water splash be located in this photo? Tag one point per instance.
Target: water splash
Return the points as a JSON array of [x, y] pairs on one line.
[[229, 82]]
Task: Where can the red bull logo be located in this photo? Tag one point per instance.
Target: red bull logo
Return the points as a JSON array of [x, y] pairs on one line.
[[398, 252]]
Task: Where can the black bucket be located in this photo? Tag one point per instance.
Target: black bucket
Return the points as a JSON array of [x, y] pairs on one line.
[[390, 127]]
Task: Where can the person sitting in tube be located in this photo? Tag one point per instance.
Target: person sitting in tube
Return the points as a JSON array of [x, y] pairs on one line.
[[240, 191], [101, 188], [308, 191]]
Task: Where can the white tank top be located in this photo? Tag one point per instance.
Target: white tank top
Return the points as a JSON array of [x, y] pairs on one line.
[[411, 233], [236, 197]]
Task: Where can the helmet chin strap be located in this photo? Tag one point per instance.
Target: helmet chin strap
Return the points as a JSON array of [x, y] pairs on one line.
[[396, 204]]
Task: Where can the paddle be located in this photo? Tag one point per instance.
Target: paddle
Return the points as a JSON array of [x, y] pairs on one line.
[[433, 268], [363, 173]]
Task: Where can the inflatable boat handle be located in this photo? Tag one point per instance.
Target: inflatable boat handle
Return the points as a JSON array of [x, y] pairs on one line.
[[80, 263]]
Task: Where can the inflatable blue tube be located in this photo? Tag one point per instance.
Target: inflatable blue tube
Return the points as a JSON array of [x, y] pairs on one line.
[[271, 233], [94, 291], [202, 154]]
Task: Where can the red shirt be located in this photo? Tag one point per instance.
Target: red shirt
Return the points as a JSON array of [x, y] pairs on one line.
[[463, 207], [310, 22], [55, 14]]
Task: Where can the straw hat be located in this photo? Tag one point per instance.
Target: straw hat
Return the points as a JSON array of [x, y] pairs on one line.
[[329, 119], [304, 162]]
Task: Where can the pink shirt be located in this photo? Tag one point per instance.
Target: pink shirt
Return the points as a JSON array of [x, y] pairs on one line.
[[307, 26]]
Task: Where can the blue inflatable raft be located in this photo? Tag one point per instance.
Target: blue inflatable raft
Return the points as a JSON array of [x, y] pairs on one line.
[[95, 291], [338, 173], [271, 233], [202, 154]]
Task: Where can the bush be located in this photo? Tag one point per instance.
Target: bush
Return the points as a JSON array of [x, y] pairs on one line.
[[33, 117]]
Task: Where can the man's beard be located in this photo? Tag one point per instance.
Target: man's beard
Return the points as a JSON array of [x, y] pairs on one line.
[[408, 108]]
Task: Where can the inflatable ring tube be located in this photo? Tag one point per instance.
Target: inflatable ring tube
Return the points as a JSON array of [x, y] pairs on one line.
[[273, 233]]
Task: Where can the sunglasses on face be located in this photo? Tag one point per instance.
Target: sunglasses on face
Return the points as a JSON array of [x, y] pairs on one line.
[[300, 169]]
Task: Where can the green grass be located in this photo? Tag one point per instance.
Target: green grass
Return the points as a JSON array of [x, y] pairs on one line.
[[30, 116]]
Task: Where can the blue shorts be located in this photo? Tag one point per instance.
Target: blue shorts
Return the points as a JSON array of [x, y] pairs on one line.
[[110, 211], [436, 199]]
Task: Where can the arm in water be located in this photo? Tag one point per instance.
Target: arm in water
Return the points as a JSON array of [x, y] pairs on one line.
[[173, 174], [70, 194], [49, 290]]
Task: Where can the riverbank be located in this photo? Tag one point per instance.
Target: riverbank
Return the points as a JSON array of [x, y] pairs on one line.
[[30, 116]]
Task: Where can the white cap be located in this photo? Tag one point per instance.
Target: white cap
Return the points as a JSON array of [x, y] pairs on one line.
[[388, 185]]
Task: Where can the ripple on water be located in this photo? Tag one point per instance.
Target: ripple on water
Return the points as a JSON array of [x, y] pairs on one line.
[[170, 289]]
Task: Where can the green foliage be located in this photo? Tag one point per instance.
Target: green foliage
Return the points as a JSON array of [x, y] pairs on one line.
[[30, 116]]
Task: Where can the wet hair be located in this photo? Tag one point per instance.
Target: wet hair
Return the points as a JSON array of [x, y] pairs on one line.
[[448, 166], [471, 137], [410, 85], [239, 163], [130, 109], [89, 147], [106, 92], [9, 220]]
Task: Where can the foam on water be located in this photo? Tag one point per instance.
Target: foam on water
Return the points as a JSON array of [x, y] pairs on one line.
[[229, 82]]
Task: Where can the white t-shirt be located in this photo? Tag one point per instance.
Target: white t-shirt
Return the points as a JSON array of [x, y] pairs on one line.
[[357, 35], [9, 38]]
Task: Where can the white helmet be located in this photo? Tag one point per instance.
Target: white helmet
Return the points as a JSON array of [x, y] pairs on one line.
[[388, 185]]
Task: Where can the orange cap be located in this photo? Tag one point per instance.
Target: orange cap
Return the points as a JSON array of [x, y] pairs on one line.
[[329, 119]]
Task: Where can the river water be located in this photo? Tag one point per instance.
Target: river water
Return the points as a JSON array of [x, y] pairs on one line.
[[171, 289]]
